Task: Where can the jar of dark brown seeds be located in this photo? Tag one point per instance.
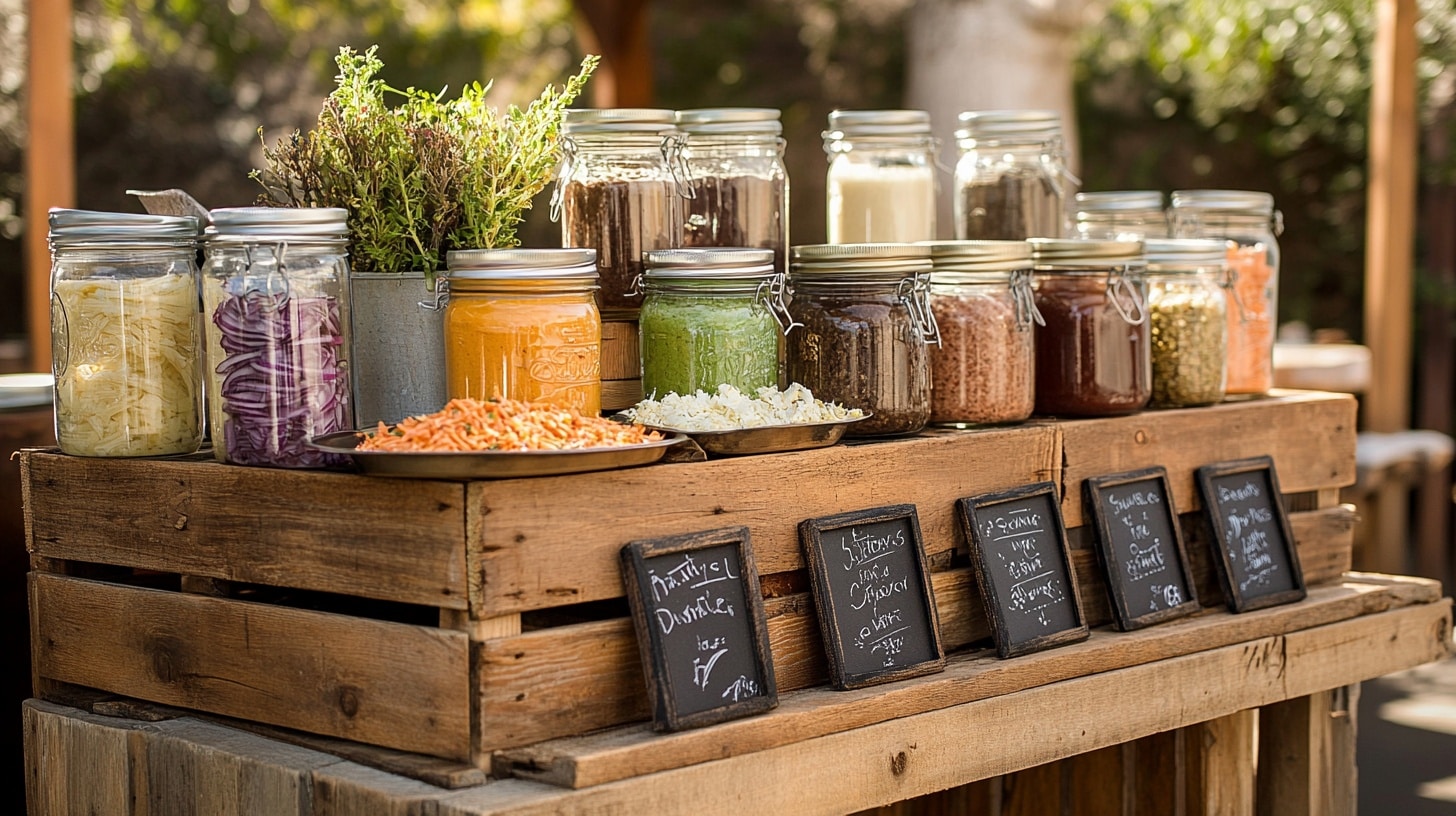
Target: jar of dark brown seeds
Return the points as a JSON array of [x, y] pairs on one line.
[[981, 298], [1011, 179], [1187, 321], [735, 164], [1092, 351], [865, 328]]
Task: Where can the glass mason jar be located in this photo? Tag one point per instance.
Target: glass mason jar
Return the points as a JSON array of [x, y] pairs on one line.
[[881, 179], [522, 324], [1011, 177], [711, 317], [740, 188], [1121, 215], [1249, 221], [619, 191], [125, 338], [864, 327], [982, 301], [275, 292], [1092, 350], [1187, 321]]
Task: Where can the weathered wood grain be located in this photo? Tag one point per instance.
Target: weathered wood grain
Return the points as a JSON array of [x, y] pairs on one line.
[[620, 360], [78, 764], [1220, 760], [375, 538], [634, 750], [1307, 753], [396, 685]]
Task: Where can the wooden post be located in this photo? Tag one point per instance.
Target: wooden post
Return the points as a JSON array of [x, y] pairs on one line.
[[1389, 232], [617, 29], [50, 158], [1220, 766], [1307, 755]]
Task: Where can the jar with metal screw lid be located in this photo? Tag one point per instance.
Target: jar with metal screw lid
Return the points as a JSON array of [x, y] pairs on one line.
[[276, 294], [711, 317], [1187, 321], [126, 343], [1121, 215], [740, 188], [881, 179], [866, 327], [1011, 178], [1092, 350], [982, 301], [522, 324], [1250, 223], [619, 191]]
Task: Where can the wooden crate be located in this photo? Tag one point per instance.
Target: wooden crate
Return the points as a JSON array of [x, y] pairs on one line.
[[484, 621], [621, 365]]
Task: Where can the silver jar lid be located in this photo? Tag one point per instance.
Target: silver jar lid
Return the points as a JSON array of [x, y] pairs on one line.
[[1175, 254], [1232, 201], [1119, 202], [618, 120], [707, 264], [522, 264], [954, 261], [1071, 252], [850, 124], [90, 227], [1004, 125], [858, 262], [730, 121], [271, 224]]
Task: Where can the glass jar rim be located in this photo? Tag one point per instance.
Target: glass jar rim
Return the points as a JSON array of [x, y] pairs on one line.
[[710, 122], [1181, 253], [566, 264], [70, 227], [1249, 202], [1114, 202]]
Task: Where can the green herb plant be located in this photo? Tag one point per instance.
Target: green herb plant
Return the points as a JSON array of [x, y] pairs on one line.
[[423, 176]]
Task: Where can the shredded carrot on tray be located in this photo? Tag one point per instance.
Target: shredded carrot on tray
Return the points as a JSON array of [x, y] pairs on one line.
[[466, 425]]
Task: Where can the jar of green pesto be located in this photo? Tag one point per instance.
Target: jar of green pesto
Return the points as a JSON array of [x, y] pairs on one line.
[[711, 317], [1187, 321]]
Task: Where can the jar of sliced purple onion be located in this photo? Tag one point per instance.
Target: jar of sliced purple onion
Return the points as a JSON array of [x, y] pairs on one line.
[[275, 291]]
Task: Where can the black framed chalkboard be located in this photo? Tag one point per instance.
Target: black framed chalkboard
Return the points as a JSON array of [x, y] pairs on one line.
[[1257, 563], [872, 592], [701, 630], [1141, 546], [1019, 551]]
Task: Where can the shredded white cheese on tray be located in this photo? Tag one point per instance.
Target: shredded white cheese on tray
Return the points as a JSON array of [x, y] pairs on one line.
[[730, 410]]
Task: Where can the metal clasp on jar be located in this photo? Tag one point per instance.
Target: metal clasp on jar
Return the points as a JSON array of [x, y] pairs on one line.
[[1118, 281], [674, 153], [563, 174], [770, 292], [1024, 300], [914, 292], [274, 279], [442, 295]]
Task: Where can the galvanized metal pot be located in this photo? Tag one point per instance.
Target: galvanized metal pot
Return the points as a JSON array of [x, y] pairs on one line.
[[398, 348]]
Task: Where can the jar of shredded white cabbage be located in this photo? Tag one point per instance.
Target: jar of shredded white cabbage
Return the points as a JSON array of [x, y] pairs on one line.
[[125, 333]]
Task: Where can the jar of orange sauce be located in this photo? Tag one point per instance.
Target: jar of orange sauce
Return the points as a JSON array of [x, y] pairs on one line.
[[523, 324]]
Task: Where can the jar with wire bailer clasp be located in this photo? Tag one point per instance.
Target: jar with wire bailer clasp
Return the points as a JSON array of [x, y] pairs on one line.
[[740, 186], [1011, 180], [126, 343], [865, 329], [982, 300], [620, 191], [1187, 321], [1120, 215], [711, 317], [1092, 355], [276, 304], [880, 186]]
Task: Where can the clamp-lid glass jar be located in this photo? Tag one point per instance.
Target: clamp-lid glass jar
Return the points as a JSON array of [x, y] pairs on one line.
[[1121, 215], [740, 188], [711, 317], [276, 294], [1187, 321], [125, 341], [881, 179], [982, 301], [866, 323], [522, 324], [1249, 221], [1011, 176], [1092, 349], [618, 193]]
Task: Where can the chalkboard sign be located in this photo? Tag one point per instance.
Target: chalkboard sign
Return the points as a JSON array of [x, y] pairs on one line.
[[1141, 547], [700, 627], [1257, 562], [1019, 551], [872, 593]]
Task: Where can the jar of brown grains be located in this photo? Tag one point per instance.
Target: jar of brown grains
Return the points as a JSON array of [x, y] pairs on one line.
[[1187, 321], [981, 298], [866, 325], [1092, 351]]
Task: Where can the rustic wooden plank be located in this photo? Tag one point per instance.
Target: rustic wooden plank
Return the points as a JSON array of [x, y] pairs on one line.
[[1099, 782], [375, 538], [553, 541], [620, 356], [77, 763], [1035, 791], [852, 768], [347, 789], [312, 671], [1220, 759], [1306, 755], [1156, 774], [1310, 435], [619, 395], [634, 750]]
